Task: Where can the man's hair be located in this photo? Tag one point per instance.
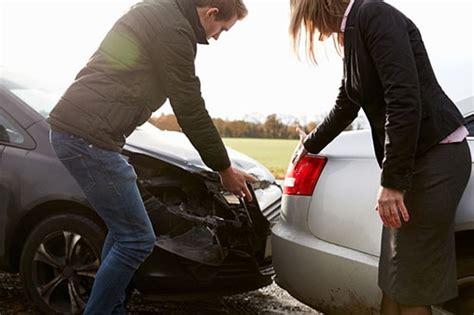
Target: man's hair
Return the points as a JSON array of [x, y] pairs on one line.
[[227, 8]]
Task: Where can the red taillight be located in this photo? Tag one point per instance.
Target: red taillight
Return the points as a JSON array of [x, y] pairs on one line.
[[301, 179]]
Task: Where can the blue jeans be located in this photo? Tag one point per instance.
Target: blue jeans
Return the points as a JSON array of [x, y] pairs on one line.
[[109, 184]]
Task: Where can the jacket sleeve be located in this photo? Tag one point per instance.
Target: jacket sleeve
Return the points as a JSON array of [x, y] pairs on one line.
[[343, 113], [388, 41], [174, 61]]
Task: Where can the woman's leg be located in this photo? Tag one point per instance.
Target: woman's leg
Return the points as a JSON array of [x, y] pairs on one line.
[[415, 310], [389, 306]]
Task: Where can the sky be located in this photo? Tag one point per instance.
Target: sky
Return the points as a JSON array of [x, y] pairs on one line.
[[250, 71]]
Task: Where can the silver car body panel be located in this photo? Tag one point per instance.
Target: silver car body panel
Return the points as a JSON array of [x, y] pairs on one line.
[[318, 272], [344, 180]]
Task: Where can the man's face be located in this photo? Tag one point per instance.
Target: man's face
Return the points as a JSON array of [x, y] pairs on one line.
[[211, 25]]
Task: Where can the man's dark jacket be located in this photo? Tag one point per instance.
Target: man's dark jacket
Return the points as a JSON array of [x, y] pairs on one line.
[[146, 58], [387, 73]]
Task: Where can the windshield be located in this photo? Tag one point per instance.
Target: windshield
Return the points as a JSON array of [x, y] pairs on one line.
[[41, 101]]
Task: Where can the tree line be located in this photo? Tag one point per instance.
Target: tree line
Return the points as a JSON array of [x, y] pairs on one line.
[[271, 128]]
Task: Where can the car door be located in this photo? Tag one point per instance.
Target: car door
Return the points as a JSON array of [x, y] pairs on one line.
[[14, 143]]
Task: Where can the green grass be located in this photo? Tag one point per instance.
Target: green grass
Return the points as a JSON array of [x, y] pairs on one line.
[[275, 154]]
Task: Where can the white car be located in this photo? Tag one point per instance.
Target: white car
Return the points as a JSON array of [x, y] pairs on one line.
[[327, 243]]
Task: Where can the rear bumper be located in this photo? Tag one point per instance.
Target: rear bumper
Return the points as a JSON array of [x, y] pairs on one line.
[[328, 277]]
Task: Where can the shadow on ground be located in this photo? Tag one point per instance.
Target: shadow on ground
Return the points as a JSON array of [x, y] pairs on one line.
[[267, 301]]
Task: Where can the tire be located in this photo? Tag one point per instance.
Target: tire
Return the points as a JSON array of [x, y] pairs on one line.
[[59, 262]]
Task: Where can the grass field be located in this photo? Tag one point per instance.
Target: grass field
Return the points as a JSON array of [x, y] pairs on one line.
[[275, 154]]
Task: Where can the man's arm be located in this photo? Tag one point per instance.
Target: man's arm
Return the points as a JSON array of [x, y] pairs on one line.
[[175, 64], [174, 60]]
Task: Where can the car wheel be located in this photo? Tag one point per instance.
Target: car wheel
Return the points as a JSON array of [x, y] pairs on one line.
[[59, 263]]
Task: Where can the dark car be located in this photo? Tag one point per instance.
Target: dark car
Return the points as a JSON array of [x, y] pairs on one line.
[[209, 242]]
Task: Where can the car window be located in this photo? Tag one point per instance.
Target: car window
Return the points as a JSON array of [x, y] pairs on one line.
[[9, 134], [41, 101]]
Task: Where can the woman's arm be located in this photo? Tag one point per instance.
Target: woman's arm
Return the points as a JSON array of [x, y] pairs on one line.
[[388, 42], [343, 113]]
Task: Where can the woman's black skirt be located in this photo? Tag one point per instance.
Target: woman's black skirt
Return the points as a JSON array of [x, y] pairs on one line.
[[418, 261]]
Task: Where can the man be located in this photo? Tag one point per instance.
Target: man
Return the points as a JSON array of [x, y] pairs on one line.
[[145, 59]]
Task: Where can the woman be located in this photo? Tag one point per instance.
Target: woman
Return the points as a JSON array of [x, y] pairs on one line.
[[418, 136]]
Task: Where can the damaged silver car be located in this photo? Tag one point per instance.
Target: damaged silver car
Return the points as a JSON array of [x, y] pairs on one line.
[[209, 242]]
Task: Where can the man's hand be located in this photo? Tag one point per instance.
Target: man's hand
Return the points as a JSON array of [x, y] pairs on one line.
[[235, 181], [390, 205]]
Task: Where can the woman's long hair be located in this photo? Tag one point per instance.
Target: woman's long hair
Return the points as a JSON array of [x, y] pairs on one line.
[[316, 17]]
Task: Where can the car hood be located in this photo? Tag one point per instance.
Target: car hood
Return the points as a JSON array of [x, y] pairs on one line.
[[175, 148]]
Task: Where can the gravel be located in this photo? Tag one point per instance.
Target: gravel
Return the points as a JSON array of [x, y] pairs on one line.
[[271, 300], [12, 299]]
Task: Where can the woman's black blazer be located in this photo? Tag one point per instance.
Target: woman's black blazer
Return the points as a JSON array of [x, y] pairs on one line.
[[388, 74]]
